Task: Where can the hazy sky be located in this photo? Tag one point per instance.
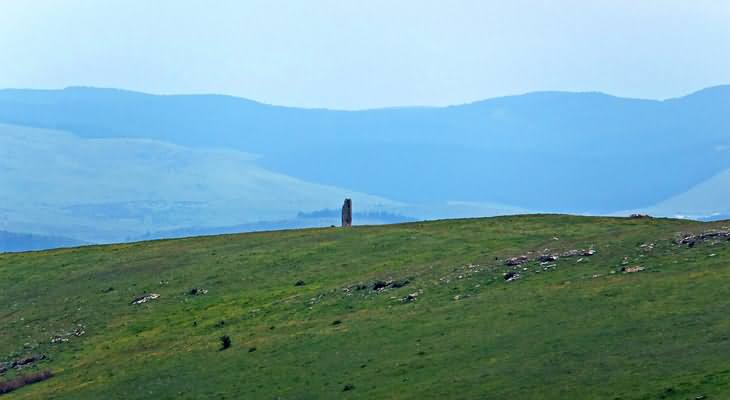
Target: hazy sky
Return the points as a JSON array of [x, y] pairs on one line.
[[367, 53]]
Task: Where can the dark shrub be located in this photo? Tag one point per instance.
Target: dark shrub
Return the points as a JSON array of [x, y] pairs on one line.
[[225, 342]]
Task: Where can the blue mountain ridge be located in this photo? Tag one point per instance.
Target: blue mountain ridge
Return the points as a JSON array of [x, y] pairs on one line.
[[556, 151]]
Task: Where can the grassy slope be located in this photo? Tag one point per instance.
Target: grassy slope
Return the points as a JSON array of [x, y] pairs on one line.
[[661, 333]]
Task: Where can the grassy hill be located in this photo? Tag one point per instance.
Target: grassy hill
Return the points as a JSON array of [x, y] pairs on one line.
[[567, 329]]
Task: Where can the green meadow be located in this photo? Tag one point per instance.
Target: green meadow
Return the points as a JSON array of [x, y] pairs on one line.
[[305, 321]]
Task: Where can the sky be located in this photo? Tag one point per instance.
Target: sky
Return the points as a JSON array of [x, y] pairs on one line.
[[348, 54]]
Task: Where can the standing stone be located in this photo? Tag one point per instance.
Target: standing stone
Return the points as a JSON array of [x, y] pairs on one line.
[[347, 213]]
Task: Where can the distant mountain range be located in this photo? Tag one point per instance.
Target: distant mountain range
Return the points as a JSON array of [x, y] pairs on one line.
[[10, 242], [107, 164]]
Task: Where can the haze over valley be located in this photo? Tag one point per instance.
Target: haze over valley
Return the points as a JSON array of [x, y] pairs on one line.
[[105, 165]]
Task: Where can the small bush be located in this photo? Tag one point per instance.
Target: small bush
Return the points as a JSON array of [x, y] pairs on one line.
[[225, 342], [20, 381]]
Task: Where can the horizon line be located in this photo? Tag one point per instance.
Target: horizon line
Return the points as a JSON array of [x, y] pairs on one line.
[[208, 94]]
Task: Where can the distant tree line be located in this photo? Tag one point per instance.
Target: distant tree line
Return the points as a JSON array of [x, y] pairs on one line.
[[369, 215]]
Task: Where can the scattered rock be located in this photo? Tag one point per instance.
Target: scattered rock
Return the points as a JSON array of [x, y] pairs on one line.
[[26, 361], [315, 300], [546, 266], [411, 297], [515, 261], [197, 292], [145, 298], [647, 246], [380, 285], [582, 253], [691, 239], [399, 283], [547, 258], [511, 276], [629, 270], [63, 337]]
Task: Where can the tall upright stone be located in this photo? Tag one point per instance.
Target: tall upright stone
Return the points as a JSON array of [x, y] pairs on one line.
[[347, 213]]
